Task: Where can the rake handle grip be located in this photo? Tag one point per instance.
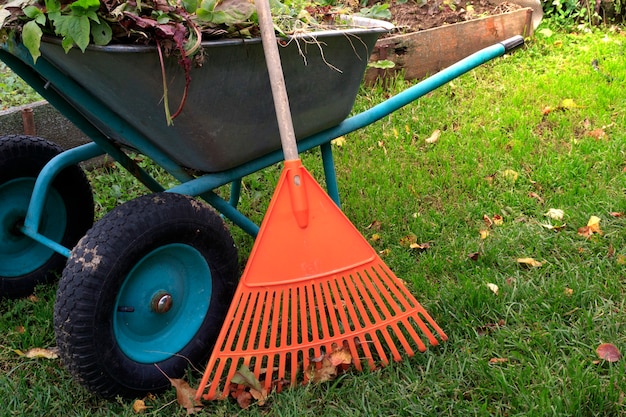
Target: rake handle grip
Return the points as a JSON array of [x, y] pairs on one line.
[[277, 81]]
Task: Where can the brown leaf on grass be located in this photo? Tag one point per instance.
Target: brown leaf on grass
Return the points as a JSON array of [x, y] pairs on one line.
[[498, 360], [247, 379], [185, 395], [434, 137], [375, 225], [375, 237], [490, 178], [597, 134], [490, 327], [616, 214], [51, 353], [420, 246], [139, 406], [498, 220], [529, 262], [608, 352], [20, 329], [408, 240], [555, 214], [325, 368], [593, 227], [536, 196], [487, 220], [473, 256], [493, 287]]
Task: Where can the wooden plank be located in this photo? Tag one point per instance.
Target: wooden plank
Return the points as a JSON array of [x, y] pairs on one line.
[[419, 54]]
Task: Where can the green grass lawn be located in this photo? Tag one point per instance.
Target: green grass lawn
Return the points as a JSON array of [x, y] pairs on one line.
[[541, 129]]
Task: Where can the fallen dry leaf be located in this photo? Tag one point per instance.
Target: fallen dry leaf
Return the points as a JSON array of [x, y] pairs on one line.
[[498, 360], [434, 137], [483, 234], [384, 252], [608, 352], [51, 353], [568, 291], [488, 221], [493, 287], [375, 237], [139, 406], [490, 327], [530, 262], [536, 196], [616, 214], [597, 134], [473, 256], [186, 396], [326, 367], [420, 246], [375, 225], [498, 220], [621, 259], [408, 240], [593, 226], [340, 141], [555, 214], [510, 175], [247, 379]]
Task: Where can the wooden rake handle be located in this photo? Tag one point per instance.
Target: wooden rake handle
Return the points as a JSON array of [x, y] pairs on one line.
[[277, 81]]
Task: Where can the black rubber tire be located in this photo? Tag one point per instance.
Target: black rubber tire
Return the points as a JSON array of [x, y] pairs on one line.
[[97, 270], [24, 156]]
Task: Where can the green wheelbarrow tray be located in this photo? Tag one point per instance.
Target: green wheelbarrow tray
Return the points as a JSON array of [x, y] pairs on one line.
[[228, 117]]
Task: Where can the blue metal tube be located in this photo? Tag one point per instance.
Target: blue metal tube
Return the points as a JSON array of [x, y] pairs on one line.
[[42, 186], [329, 172]]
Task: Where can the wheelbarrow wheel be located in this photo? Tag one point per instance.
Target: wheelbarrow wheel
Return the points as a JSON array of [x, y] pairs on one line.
[[144, 294], [67, 214]]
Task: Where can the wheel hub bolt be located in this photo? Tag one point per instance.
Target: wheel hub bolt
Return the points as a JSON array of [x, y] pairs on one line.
[[161, 302]]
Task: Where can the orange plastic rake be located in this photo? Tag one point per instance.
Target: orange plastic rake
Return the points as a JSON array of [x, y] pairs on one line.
[[312, 283]]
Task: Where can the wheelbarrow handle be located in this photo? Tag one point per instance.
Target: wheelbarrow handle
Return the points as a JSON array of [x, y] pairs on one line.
[[512, 43]]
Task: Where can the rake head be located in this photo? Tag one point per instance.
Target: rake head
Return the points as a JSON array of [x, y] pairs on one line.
[[313, 284]]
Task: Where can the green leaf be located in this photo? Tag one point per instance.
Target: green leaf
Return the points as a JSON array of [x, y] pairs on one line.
[[67, 43], [31, 37], [36, 14], [190, 5], [53, 6], [101, 33], [93, 16], [85, 5], [75, 27], [208, 5]]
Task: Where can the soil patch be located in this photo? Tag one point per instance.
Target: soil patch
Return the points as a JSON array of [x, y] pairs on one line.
[[413, 17]]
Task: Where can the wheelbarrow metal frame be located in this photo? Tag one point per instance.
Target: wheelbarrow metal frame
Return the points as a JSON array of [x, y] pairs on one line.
[[42, 75]]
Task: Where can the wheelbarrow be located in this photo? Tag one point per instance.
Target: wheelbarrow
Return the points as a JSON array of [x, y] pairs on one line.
[[151, 282]]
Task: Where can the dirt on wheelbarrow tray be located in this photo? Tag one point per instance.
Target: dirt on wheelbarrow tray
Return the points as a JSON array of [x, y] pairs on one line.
[[413, 15]]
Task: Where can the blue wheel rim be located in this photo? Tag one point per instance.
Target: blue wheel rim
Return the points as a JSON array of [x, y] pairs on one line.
[[19, 254], [147, 331]]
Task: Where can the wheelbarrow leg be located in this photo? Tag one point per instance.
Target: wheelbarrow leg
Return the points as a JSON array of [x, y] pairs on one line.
[[329, 172], [235, 192]]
